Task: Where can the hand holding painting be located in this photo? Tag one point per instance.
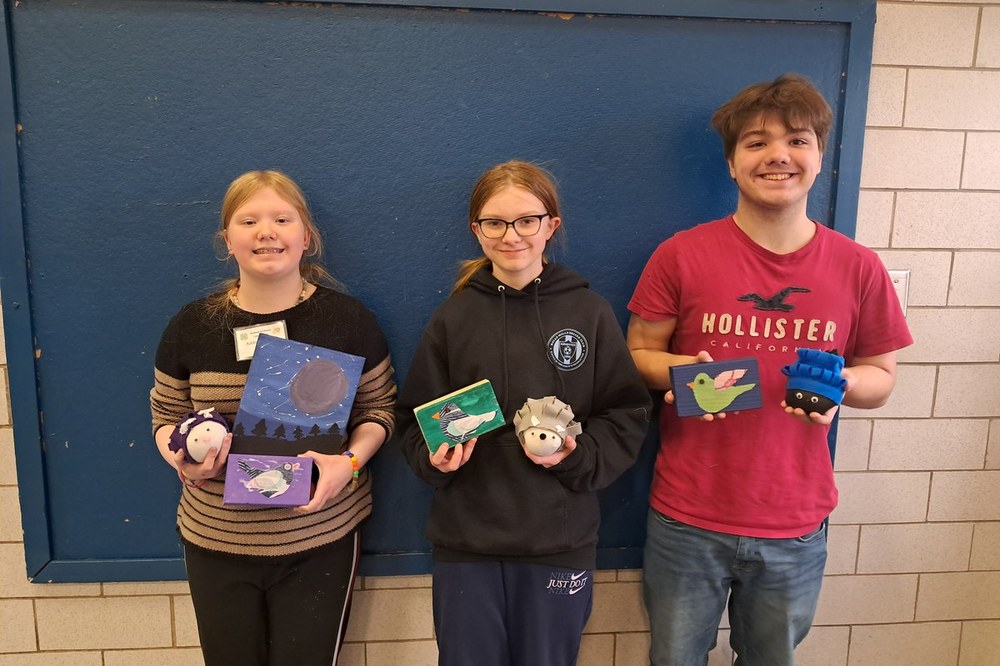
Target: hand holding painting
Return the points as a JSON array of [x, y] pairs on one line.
[[451, 423], [300, 401], [716, 387]]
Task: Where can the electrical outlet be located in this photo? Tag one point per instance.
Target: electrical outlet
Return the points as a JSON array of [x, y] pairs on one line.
[[901, 283]]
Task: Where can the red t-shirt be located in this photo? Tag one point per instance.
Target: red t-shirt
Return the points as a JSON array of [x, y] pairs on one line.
[[761, 472]]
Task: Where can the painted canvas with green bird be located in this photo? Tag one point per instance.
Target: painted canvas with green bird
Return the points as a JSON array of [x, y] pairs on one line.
[[718, 386]]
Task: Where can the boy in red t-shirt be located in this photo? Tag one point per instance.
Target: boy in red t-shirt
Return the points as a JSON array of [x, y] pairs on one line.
[[739, 503]]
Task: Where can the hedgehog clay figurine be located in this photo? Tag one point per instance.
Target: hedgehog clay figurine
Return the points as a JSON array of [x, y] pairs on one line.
[[543, 423], [197, 433], [814, 382]]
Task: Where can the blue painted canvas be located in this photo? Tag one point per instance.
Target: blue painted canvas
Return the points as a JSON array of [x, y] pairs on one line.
[[718, 386], [298, 397]]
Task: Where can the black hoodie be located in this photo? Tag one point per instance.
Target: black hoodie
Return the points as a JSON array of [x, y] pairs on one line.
[[554, 337]]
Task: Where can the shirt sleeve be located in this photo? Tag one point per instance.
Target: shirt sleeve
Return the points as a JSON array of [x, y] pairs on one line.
[[655, 297], [376, 396], [170, 397], [882, 326]]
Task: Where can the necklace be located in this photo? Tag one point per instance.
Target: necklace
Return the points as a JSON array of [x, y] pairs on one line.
[[236, 289]]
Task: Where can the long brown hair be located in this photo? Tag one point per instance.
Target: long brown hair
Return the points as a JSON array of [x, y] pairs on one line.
[[516, 173], [239, 192]]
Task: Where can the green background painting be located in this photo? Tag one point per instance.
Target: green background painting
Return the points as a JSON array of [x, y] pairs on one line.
[[475, 399]]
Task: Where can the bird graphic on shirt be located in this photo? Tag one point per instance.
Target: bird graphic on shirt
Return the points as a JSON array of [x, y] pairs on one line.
[[714, 395], [457, 425], [269, 482], [776, 302]]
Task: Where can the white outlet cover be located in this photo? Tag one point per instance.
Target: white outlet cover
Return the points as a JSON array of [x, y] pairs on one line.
[[901, 283]]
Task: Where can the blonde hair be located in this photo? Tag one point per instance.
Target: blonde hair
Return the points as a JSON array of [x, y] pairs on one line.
[[514, 173], [239, 192]]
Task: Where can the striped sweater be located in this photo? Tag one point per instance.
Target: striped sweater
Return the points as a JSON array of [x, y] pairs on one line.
[[196, 368]]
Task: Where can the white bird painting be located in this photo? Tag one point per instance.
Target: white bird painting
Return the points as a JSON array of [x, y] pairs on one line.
[[457, 425], [269, 482]]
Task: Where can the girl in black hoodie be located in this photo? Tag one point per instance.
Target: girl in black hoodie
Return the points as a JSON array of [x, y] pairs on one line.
[[515, 534]]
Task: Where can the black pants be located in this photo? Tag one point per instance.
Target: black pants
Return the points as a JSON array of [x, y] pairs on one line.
[[273, 612]]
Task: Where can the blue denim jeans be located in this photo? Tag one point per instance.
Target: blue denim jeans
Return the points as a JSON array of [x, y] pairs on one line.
[[772, 586]]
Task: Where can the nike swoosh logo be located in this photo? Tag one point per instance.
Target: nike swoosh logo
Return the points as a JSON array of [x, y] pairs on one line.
[[576, 576], [577, 589]]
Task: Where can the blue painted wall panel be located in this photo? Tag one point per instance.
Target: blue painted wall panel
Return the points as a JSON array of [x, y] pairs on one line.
[[137, 115]]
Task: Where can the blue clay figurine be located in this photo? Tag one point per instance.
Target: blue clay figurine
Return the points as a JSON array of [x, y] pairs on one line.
[[814, 382]]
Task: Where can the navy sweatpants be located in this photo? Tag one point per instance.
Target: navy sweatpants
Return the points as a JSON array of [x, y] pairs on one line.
[[288, 611], [505, 614]]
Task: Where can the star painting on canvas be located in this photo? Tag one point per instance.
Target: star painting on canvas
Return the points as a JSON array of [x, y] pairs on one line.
[[298, 397]]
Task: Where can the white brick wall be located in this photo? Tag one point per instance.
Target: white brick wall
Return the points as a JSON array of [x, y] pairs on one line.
[[914, 569], [942, 219], [926, 643], [912, 34]]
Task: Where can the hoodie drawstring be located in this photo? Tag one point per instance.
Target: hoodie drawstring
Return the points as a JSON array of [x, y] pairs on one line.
[[502, 290], [541, 337], [503, 346]]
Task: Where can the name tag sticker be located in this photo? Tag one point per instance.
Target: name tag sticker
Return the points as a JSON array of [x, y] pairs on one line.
[[246, 337]]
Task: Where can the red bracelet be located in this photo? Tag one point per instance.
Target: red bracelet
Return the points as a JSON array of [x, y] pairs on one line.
[[354, 466], [188, 482]]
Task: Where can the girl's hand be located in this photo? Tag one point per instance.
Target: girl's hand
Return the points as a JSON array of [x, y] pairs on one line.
[[553, 459], [209, 468], [448, 459], [335, 472]]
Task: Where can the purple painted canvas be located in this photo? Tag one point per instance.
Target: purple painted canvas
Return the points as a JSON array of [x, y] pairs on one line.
[[267, 480]]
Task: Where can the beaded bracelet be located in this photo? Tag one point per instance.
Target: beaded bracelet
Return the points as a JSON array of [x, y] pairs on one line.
[[188, 482], [354, 466]]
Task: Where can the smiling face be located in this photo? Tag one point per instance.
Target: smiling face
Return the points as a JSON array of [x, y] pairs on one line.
[[204, 436], [775, 166], [541, 441], [267, 236], [517, 260]]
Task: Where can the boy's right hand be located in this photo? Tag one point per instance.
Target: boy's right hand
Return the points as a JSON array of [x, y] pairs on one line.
[[701, 357]]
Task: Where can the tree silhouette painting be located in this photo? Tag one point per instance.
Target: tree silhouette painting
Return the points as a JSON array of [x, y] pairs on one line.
[[297, 397]]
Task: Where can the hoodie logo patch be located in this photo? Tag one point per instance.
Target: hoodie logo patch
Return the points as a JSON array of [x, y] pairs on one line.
[[567, 349]]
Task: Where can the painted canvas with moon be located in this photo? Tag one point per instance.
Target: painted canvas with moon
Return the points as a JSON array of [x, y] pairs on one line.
[[298, 397]]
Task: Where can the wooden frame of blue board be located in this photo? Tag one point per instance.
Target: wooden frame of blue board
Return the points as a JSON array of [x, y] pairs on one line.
[[43, 454], [715, 387]]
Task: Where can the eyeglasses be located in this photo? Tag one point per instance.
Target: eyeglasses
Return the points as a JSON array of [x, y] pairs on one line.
[[527, 225]]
